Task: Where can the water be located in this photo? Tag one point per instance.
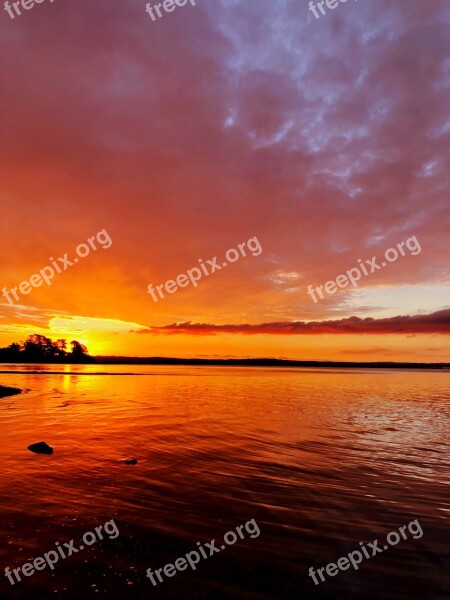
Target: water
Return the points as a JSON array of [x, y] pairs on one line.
[[321, 459]]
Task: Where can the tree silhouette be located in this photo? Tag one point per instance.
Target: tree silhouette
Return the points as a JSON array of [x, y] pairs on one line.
[[14, 349], [38, 348], [60, 347], [78, 350]]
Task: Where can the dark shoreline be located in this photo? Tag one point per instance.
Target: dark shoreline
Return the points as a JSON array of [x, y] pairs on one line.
[[245, 362], [8, 391], [263, 362]]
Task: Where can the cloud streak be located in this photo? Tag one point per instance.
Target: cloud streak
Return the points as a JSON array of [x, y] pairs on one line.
[[437, 323]]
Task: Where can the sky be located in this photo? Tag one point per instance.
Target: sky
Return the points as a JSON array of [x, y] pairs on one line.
[[325, 139]]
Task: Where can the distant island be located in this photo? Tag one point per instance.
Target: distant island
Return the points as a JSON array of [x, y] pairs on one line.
[[40, 349]]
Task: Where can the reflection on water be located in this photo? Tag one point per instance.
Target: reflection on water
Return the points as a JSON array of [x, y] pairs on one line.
[[320, 459]]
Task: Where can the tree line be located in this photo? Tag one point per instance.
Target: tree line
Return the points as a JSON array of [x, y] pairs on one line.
[[38, 348]]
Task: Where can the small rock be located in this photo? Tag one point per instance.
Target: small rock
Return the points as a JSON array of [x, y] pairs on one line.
[[40, 448], [8, 391], [131, 461]]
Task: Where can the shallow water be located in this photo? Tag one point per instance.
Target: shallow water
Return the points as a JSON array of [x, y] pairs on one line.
[[321, 459]]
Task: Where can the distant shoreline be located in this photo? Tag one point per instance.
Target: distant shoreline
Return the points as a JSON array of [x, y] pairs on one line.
[[263, 362], [248, 362]]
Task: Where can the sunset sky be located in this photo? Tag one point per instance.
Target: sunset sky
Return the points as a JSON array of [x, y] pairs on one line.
[[326, 139]]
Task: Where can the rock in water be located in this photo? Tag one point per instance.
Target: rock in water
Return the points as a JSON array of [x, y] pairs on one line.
[[40, 448], [8, 391], [131, 461]]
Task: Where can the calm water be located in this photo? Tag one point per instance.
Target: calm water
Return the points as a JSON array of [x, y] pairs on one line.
[[320, 459]]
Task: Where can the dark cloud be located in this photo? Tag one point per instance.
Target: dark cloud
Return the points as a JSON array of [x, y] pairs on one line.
[[438, 322]]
